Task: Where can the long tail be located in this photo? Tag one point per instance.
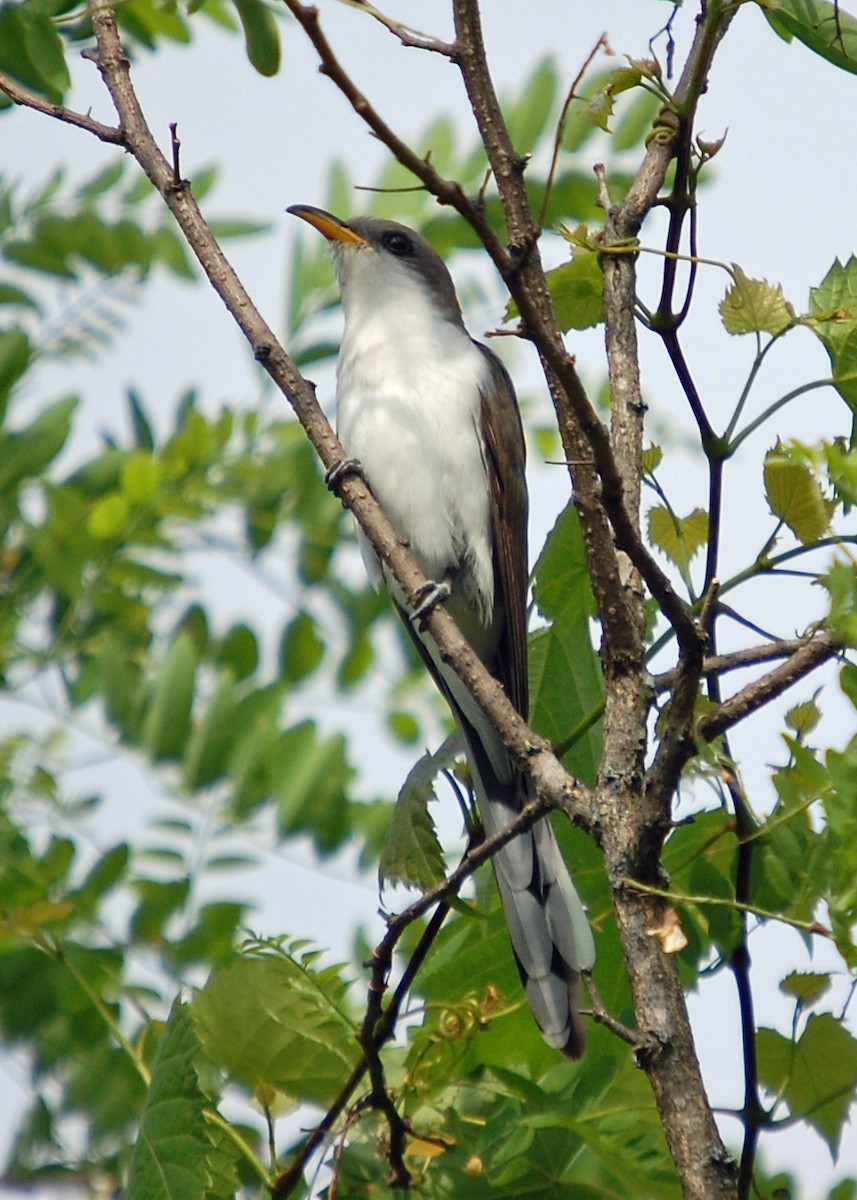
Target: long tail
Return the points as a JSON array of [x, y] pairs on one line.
[[547, 923]]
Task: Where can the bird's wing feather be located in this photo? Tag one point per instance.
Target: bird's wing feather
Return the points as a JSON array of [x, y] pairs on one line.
[[505, 461]]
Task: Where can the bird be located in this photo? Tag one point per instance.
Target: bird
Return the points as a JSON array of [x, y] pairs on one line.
[[431, 417]]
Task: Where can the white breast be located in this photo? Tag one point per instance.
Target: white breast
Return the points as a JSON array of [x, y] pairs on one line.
[[408, 389]]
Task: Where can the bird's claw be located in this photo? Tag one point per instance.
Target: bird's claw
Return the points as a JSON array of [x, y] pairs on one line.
[[346, 466], [430, 595]]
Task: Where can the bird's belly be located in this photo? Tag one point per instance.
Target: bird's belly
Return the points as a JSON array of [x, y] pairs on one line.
[[421, 452]]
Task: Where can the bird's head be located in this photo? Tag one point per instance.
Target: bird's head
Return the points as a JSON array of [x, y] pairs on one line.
[[381, 262]]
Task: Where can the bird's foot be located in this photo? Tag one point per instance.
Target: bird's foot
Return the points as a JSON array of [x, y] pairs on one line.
[[430, 595], [345, 466]]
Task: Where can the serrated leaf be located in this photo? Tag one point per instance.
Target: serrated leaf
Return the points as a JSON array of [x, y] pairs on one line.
[[277, 1021], [170, 1158], [803, 718], [833, 318], [679, 538], [577, 291], [652, 458], [816, 1077], [794, 495], [412, 854], [755, 306], [805, 986]]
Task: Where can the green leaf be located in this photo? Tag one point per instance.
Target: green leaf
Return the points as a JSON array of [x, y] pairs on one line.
[[833, 318], [576, 289], [566, 689], [143, 436], [212, 738], [755, 306], [170, 1158], [560, 579], [653, 456], [309, 778], [9, 294], [527, 116], [167, 719], [103, 181], [239, 651], [637, 121], [679, 538], [140, 477], [15, 354], [794, 495], [803, 718], [302, 650], [107, 518], [816, 1076], [261, 35], [822, 25], [805, 986], [275, 1020], [412, 854], [32, 51], [27, 452]]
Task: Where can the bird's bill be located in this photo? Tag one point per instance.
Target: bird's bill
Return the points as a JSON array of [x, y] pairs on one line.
[[326, 223]]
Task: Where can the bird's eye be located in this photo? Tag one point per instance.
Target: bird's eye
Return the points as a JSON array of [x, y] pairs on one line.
[[398, 243]]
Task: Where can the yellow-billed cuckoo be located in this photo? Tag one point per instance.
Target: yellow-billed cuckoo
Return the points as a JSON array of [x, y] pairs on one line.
[[431, 417]]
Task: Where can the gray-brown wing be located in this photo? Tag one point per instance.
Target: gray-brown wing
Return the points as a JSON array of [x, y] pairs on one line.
[[505, 461]]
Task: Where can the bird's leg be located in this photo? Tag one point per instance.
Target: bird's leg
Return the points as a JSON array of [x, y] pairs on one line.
[[345, 466], [430, 595]]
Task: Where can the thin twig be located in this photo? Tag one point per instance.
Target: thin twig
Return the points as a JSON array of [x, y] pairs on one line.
[[27, 99], [720, 664], [809, 655]]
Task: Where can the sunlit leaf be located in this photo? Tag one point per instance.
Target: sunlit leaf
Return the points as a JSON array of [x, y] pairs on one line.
[[412, 854], [171, 1153], [274, 1020], [755, 306], [678, 537], [816, 1076], [794, 495]]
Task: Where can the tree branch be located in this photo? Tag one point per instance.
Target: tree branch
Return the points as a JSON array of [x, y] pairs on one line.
[[27, 99], [809, 655], [720, 664]]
